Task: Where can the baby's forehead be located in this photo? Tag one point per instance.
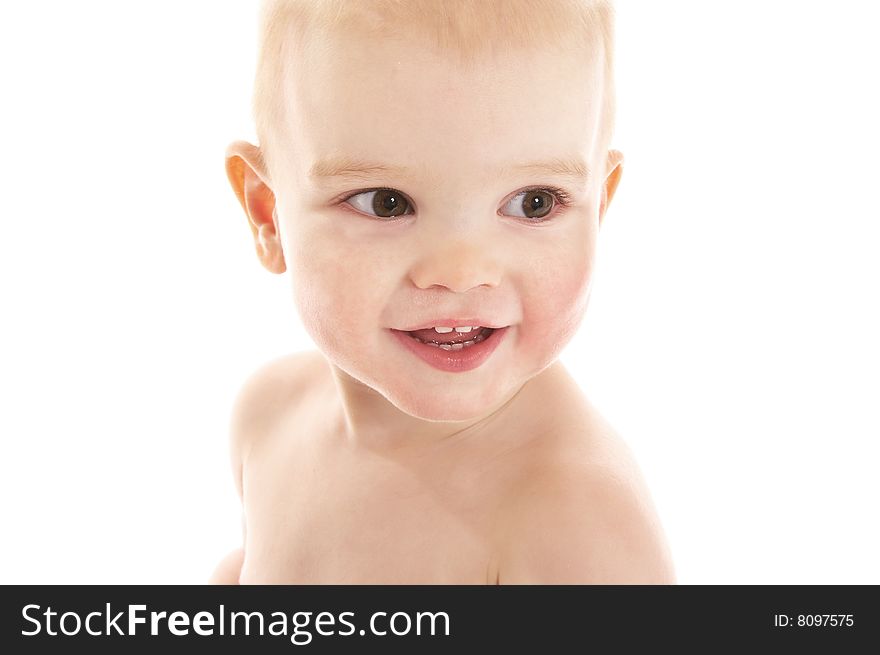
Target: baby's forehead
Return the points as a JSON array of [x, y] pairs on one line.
[[346, 63], [340, 72], [452, 26], [424, 118], [464, 40]]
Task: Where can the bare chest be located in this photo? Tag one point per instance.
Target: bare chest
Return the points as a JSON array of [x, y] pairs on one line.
[[308, 523]]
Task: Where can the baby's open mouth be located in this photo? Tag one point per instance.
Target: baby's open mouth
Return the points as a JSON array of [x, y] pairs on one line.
[[453, 340]]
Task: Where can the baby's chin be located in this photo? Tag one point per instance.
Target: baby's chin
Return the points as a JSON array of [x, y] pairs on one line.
[[452, 404]]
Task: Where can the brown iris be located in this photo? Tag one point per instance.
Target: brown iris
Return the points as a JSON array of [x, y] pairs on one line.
[[537, 201], [386, 200]]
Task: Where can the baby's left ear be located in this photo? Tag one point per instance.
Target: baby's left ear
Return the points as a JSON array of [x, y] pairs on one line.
[[614, 169]]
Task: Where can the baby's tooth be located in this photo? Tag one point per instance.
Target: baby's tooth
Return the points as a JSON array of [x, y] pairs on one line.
[[466, 328], [443, 330]]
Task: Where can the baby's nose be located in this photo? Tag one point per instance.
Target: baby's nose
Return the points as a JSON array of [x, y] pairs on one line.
[[459, 263]]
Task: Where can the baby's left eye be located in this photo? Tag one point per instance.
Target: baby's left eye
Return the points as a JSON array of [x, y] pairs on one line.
[[535, 204]]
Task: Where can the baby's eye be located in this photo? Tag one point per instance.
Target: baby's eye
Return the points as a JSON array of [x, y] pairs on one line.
[[535, 204], [383, 203]]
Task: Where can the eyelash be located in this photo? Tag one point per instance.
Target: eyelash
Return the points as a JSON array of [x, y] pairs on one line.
[[562, 200]]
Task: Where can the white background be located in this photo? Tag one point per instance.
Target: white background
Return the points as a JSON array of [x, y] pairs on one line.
[[731, 337]]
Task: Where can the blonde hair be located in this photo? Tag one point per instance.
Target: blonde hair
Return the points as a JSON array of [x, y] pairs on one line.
[[466, 29]]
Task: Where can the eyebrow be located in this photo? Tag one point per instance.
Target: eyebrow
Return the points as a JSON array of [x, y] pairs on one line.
[[350, 168]]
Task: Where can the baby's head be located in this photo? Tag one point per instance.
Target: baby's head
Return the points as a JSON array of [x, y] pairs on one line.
[[425, 160]]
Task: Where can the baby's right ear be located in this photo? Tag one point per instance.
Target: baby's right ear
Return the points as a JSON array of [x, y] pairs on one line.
[[247, 174]]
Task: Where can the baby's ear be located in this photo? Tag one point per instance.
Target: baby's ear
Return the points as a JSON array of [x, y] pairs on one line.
[[613, 171], [248, 176]]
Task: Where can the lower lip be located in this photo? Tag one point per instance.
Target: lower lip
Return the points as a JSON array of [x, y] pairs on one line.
[[453, 361]]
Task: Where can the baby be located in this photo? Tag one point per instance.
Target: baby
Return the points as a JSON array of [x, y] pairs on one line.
[[433, 175]]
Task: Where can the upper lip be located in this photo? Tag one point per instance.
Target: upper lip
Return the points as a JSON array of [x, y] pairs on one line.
[[454, 323]]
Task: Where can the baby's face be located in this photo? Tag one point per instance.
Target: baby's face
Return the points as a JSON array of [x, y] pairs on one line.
[[460, 230]]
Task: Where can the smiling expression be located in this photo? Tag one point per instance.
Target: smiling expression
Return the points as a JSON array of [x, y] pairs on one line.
[[411, 188]]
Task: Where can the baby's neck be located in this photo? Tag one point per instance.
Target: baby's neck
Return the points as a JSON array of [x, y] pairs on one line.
[[363, 419]]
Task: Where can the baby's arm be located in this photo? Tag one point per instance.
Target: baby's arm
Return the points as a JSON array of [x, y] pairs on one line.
[[586, 528], [262, 397], [229, 568], [228, 571]]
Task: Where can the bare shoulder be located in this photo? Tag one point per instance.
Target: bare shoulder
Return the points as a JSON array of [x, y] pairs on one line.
[[584, 516], [264, 397], [268, 390]]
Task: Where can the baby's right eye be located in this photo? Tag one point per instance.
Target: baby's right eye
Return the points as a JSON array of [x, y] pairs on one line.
[[384, 203]]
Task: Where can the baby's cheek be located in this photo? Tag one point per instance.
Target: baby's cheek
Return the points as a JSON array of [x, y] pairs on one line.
[[556, 303], [335, 292]]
